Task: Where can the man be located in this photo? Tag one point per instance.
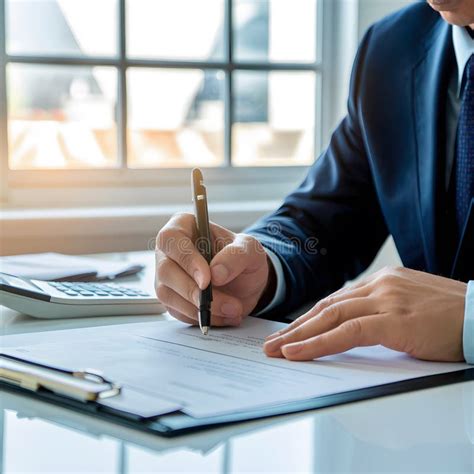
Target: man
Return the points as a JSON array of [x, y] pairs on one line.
[[400, 163]]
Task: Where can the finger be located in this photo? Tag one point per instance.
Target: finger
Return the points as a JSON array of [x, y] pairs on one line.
[[181, 317], [244, 255], [328, 319], [170, 274], [368, 331], [179, 247], [169, 298], [343, 294], [173, 300]]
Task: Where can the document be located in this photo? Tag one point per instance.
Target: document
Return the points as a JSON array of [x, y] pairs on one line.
[[55, 266], [224, 372]]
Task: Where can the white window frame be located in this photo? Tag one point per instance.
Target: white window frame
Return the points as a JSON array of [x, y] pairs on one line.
[[124, 186]]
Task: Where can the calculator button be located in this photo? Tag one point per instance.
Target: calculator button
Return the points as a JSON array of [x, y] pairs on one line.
[[116, 293], [101, 293], [86, 293], [71, 293]]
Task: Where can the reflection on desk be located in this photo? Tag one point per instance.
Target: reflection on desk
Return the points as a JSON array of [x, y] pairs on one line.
[[429, 430]]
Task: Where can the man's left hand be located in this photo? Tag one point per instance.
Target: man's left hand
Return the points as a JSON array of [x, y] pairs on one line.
[[405, 310]]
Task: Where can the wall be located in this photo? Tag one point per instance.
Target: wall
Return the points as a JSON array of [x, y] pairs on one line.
[[372, 10]]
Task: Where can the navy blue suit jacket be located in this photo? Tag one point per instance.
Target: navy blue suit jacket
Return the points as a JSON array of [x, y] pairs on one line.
[[383, 172]]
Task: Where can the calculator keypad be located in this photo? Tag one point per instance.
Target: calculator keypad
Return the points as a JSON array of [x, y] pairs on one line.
[[102, 290]]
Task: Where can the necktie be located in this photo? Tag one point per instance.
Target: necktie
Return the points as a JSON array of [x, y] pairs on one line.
[[464, 172]]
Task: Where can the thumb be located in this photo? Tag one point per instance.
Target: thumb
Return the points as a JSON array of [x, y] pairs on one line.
[[244, 254]]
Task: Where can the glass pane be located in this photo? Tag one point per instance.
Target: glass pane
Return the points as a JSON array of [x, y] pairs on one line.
[[274, 118], [177, 29], [275, 30], [61, 116], [62, 27], [176, 117]]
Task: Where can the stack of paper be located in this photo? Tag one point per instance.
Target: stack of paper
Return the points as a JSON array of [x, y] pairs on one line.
[[168, 366], [55, 266]]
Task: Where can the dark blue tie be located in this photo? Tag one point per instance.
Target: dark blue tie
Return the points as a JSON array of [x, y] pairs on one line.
[[465, 150]]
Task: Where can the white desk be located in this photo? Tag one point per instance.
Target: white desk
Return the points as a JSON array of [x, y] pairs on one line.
[[425, 431]]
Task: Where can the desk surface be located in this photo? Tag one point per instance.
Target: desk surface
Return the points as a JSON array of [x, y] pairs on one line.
[[425, 431]]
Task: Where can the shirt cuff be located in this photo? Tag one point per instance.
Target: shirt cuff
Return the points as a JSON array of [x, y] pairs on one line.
[[468, 333], [280, 283]]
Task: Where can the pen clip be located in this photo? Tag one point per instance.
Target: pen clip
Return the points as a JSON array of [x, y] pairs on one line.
[[197, 184]]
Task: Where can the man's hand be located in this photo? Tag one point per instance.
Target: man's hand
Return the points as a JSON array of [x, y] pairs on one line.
[[405, 310], [239, 272]]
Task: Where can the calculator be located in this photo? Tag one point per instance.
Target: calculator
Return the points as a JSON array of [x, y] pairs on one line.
[[49, 299]]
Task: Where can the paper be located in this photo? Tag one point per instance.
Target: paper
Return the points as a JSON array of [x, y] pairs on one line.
[[55, 266], [225, 372], [141, 404]]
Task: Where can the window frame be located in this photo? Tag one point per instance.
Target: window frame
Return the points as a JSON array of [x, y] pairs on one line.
[[18, 182]]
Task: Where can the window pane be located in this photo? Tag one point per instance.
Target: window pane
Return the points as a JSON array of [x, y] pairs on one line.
[[61, 116], [62, 27], [275, 30], [176, 117], [274, 118], [177, 29]]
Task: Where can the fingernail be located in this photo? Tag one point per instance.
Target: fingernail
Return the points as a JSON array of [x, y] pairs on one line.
[[198, 278], [272, 336], [196, 296], [273, 345], [219, 273], [292, 349], [230, 309]]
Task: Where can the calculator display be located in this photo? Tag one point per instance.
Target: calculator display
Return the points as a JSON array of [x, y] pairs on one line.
[[15, 282]]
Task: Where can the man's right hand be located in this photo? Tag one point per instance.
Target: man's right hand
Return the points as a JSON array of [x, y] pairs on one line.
[[239, 272]]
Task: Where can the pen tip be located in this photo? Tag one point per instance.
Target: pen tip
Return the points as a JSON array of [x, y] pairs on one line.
[[205, 330]]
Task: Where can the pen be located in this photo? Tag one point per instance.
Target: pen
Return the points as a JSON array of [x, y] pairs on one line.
[[203, 245]]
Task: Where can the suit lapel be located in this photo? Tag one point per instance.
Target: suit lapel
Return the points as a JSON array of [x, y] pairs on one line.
[[430, 82]]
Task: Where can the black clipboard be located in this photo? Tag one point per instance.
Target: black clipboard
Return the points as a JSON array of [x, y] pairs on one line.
[[177, 423]]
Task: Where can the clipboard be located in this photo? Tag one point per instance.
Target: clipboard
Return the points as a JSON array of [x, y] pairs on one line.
[[177, 423]]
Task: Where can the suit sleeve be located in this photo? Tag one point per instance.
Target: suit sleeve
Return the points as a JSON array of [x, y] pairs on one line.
[[331, 227]]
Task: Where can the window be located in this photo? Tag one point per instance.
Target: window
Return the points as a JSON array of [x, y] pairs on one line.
[[129, 88]]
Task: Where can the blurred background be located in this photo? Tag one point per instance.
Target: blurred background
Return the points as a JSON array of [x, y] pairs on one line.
[[105, 105]]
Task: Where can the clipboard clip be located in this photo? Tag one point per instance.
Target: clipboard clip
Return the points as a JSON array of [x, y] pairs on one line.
[[95, 376], [84, 385]]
